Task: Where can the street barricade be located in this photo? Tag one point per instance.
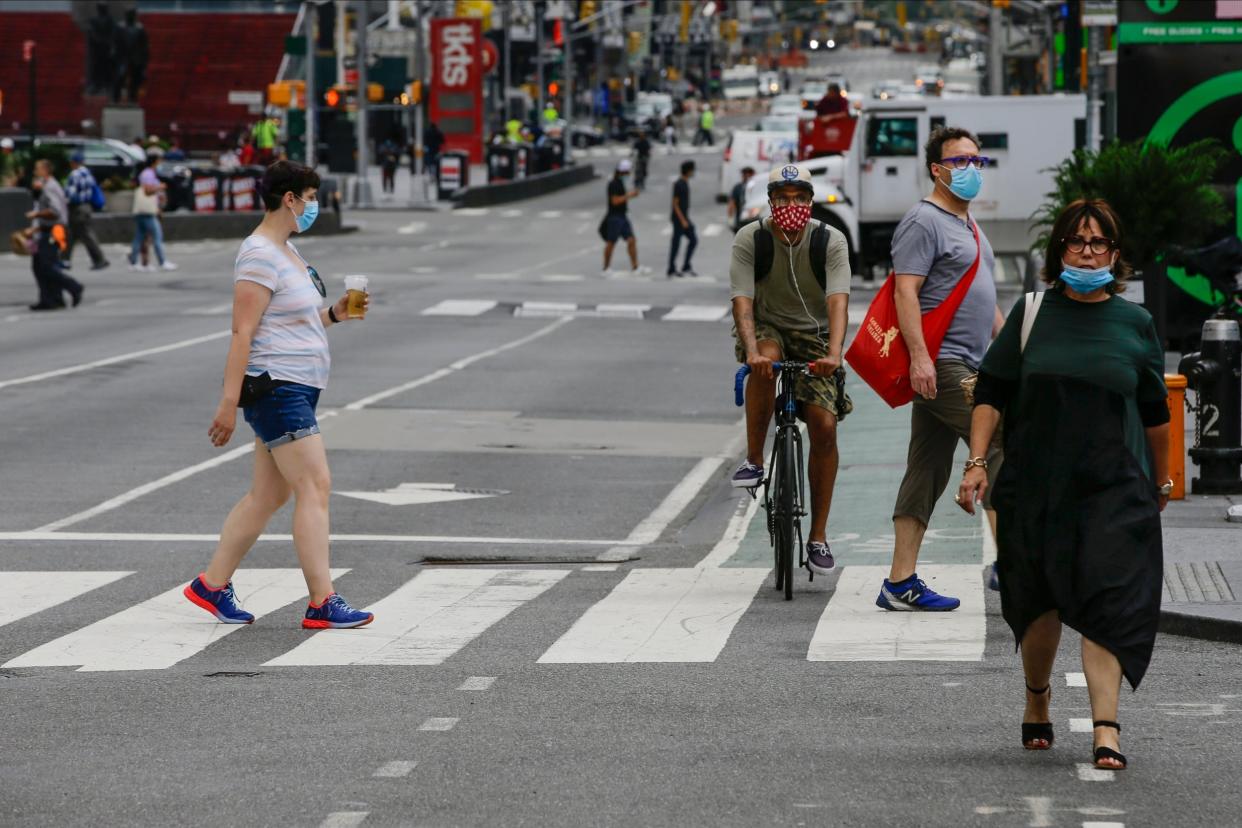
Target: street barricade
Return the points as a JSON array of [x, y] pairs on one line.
[[454, 173]]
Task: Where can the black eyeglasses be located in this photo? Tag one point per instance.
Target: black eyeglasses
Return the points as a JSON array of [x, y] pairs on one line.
[[1099, 245], [800, 200], [314, 274], [961, 162]]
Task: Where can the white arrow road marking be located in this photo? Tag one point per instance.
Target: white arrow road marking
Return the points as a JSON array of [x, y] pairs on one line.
[[410, 494]]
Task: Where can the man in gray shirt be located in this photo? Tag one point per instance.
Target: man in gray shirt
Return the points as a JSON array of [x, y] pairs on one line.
[[50, 215], [788, 311], [933, 248]]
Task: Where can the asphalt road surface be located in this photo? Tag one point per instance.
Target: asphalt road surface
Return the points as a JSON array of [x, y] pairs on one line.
[[575, 616]]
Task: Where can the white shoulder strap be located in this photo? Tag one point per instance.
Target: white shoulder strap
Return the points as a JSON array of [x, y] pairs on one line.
[[1029, 312]]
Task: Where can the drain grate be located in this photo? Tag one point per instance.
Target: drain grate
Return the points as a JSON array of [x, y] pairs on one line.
[[1196, 583]]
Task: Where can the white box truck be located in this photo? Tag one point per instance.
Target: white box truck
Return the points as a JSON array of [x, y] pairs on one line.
[[865, 191]]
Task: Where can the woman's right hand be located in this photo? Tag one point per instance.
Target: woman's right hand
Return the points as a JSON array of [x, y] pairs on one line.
[[222, 425], [974, 484]]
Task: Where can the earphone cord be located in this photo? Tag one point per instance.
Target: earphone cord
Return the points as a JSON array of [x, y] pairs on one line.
[[793, 277]]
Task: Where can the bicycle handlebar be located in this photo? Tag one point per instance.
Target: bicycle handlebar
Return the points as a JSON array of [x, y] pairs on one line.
[[740, 379]]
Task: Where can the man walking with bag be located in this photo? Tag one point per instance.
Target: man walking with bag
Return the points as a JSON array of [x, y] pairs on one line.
[[83, 194], [936, 248]]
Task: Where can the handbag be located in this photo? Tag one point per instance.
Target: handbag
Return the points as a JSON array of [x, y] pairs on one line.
[[22, 242], [98, 201], [1029, 312], [879, 354]]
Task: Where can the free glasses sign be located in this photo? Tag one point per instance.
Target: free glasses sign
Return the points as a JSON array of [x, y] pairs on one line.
[[457, 83]]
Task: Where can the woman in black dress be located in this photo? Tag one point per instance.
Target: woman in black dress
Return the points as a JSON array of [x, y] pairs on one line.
[[1078, 501]]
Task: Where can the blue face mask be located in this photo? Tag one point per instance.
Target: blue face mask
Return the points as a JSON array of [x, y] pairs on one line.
[[1082, 280], [308, 215], [965, 183]]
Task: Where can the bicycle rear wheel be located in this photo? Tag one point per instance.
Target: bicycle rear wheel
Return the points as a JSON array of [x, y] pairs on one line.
[[786, 472]]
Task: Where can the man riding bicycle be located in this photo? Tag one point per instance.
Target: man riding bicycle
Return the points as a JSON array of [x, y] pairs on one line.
[[790, 286]]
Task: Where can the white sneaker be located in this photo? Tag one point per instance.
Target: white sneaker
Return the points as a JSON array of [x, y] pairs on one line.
[[607, 274], [168, 266], [641, 270]]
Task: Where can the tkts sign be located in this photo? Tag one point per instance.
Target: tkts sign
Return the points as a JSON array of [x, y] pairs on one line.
[[457, 84]]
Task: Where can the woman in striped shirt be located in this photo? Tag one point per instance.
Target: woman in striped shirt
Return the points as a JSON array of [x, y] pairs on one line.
[[277, 366]]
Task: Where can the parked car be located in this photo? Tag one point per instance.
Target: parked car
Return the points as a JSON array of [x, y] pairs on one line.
[[886, 89], [580, 135], [105, 157]]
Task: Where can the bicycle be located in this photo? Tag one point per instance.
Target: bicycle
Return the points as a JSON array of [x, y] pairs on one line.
[[784, 494]]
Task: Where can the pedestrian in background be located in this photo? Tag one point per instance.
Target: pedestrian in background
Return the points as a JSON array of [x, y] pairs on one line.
[[642, 159], [616, 224], [147, 215], [276, 368], [433, 144], [707, 121], [682, 226], [264, 133], [50, 216], [737, 198], [833, 103], [936, 245], [80, 190], [8, 166], [389, 158], [1078, 374]]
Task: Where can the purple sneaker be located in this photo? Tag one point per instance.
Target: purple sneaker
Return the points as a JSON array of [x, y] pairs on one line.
[[334, 613], [222, 603], [819, 557], [747, 476]]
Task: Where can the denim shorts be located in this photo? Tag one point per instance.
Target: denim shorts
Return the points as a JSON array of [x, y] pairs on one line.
[[286, 414]]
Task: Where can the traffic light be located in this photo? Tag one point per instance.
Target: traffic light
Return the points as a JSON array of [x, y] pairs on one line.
[[279, 94], [416, 92], [375, 92], [333, 98], [687, 10], [635, 42], [587, 9], [554, 89]]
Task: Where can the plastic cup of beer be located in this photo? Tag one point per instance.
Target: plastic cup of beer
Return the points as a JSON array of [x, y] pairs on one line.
[[356, 290]]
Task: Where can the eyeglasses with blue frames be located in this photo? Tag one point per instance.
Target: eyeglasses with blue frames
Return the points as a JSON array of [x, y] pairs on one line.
[[316, 281], [1099, 245], [961, 162]]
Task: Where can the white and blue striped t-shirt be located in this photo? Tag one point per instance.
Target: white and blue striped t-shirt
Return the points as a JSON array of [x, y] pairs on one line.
[[290, 342]]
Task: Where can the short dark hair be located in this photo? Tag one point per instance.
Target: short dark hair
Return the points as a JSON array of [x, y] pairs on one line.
[[1068, 222], [687, 166], [934, 151], [748, 170], [286, 177]]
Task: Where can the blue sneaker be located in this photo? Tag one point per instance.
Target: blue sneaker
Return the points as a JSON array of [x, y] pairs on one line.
[[747, 476], [222, 603], [994, 579], [335, 614], [912, 595], [819, 557]]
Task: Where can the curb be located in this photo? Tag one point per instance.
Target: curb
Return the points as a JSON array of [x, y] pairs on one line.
[[1202, 627]]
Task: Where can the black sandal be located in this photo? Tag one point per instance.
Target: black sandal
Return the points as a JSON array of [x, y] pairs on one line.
[[1102, 752], [1037, 731]]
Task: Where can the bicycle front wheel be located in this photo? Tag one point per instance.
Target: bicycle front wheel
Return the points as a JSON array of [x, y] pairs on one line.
[[786, 473]]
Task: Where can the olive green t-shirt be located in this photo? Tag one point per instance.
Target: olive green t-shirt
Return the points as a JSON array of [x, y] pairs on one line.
[[776, 298], [1111, 344]]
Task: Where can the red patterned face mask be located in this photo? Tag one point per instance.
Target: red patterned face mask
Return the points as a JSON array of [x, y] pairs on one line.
[[792, 218]]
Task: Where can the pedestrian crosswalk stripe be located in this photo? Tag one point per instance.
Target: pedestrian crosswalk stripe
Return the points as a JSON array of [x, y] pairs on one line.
[[166, 629], [696, 313], [26, 593], [853, 628], [712, 230], [428, 619], [460, 307], [541, 310], [660, 615]]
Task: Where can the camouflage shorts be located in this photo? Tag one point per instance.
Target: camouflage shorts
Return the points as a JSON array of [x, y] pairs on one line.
[[802, 346]]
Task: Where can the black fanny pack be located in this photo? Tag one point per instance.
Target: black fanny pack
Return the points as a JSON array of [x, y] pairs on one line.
[[254, 389]]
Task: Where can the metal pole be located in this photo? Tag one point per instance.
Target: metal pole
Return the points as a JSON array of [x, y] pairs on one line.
[[312, 111], [539, 59], [362, 190], [418, 186], [1093, 86], [34, 99], [569, 94], [507, 19], [341, 7], [996, 35]]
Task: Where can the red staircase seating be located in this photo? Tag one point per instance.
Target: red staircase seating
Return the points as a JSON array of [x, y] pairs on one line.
[[196, 60]]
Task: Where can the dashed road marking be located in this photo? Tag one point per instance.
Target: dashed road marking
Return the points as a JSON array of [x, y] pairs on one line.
[[478, 683], [395, 769], [1081, 726], [439, 724], [344, 819], [1088, 772]]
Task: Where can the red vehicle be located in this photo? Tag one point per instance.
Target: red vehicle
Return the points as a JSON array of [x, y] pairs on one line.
[[825, 135]]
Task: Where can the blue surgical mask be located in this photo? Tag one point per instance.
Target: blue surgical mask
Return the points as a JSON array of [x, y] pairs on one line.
[[965, 183], [308, 215], [1083, 280]]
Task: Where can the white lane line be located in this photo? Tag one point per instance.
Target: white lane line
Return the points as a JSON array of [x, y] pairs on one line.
[[1103, 825], [712, 230], [344, 819], [562, 277], [395, 769], [651, 526], [733, 534], [853, 628], [428, 619], [621, 310], [1075, 680], [1088, 772], [439, 724], [412, 228], [550, 214], [542, 310], [471, 211], [601, 567], [511, 213], [209, 310], [113, 360], [26, 593], [660, 615], [695, 313], [174, 537], [460, 307], [478, 683], [1080, 726], [456, 366], [166, 629], [989, 542]]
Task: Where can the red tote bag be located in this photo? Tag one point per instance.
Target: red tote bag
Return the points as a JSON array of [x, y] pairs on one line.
[[879, 354]]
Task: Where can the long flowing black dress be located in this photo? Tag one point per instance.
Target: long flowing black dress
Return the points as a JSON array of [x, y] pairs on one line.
[[1078, 520]]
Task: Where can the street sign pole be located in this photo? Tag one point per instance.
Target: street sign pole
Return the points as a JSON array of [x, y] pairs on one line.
[[311, 103], [362, 189], [418, 186], [539, 59], [569, 95]]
